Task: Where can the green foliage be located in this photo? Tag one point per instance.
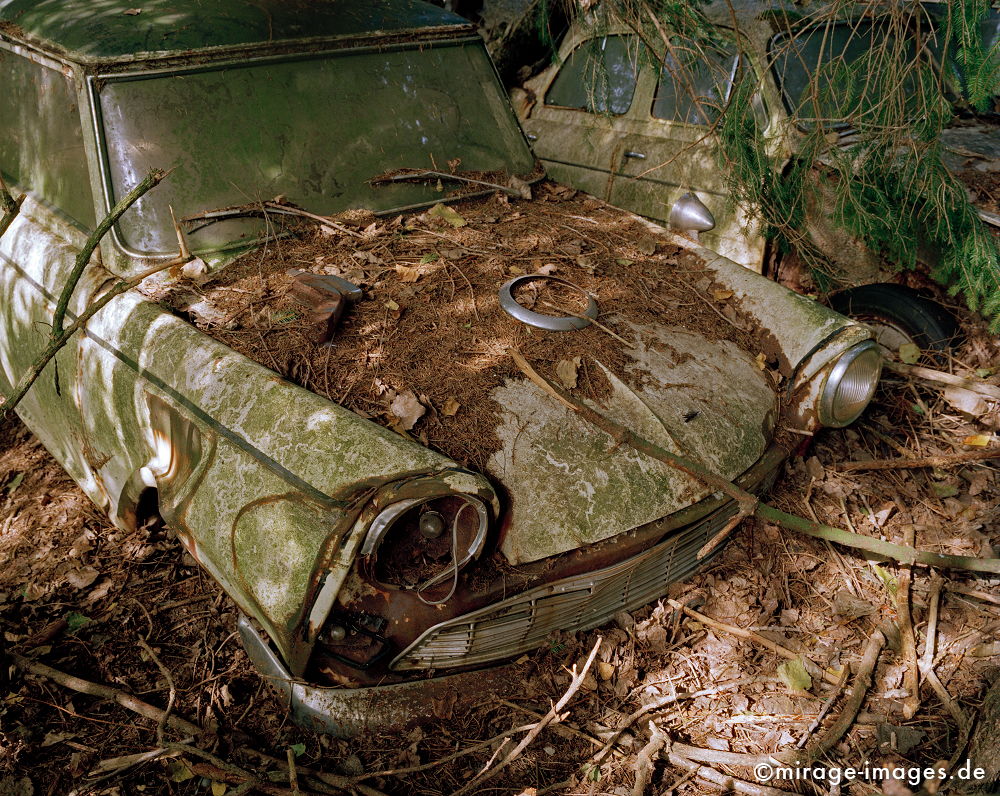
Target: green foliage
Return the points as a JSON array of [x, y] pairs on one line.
[[977, 67]]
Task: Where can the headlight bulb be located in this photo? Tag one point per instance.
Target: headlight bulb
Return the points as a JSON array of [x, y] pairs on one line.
[[431, 524]]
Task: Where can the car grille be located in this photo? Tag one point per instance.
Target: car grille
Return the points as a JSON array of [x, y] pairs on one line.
[[523, 623]]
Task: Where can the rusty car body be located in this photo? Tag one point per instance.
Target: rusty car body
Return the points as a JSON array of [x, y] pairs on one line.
[[285, 497]]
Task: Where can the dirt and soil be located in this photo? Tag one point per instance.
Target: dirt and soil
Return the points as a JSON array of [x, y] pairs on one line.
[[430, 327], [77, 594]]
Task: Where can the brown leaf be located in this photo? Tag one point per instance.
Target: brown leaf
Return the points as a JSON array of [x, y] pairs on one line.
[[567, 371], [722, 295], [408, 273], [450, 408], [81, 578], [408, 409], [132, 12]]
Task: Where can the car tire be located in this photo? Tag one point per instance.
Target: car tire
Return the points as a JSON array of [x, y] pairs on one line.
[[899, 314]]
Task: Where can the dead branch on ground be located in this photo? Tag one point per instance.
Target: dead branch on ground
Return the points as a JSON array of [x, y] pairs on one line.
[[859, 690], [908, 643], [940, 377], [749, 635], [115, 695], [945, 460]]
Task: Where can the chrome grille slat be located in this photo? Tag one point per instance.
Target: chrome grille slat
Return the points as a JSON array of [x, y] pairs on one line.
[[524, 622]]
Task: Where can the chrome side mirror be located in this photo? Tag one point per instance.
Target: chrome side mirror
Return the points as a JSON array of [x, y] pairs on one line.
[[689, 214]]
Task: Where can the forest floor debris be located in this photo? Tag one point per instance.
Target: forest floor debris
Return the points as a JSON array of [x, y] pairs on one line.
[[681, 705]]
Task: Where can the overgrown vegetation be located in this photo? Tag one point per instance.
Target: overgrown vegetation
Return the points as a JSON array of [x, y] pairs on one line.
[[869, 91]]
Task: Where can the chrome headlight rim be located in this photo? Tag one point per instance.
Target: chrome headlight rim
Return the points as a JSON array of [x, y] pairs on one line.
[[384, 520], [828, 397]]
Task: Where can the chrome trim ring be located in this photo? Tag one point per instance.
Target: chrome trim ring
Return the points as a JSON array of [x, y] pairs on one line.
[[551, 323], [385, 519], [827, 400]]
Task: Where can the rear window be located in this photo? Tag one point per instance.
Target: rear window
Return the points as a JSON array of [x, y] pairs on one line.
[[41, 139], [599, 76], [822, 70], [314, 130]]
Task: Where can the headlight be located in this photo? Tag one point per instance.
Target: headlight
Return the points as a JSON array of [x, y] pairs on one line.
[[850, 385], [418, 543]]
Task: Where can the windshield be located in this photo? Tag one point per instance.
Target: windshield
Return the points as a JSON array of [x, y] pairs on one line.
[[312, 130], [826, 71]]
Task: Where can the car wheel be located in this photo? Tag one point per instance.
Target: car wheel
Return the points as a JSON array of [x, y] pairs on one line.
[[898, 315]]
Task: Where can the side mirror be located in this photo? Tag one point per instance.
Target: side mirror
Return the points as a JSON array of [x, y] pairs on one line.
[[689, 214]]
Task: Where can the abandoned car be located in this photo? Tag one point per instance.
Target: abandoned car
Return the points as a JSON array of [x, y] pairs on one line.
[[633, 122], [372, 571]]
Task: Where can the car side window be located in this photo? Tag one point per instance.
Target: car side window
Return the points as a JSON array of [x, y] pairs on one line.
[[694, 84], [599, 76], [41, 140]]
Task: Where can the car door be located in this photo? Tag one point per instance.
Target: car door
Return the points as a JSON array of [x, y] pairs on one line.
[[579, 125], [674, 148]]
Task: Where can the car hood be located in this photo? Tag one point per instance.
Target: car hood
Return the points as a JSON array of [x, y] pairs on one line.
[[569, 484]]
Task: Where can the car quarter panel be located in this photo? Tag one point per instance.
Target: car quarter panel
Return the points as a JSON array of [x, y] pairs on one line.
[[260, 478]]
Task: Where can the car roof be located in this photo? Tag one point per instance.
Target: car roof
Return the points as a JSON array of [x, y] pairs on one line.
[[113, 30]]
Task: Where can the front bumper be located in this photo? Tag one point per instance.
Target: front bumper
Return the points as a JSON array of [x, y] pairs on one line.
[[502, 630], [346, 712]]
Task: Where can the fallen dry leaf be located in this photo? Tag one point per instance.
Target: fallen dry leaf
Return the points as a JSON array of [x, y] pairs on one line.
[[409, 273], [978, 440], [966, 401], [408, 409], [81, 578], [450, 408], [567, 371], [132, 12], [722, 295], [605, 670], [448, 214]]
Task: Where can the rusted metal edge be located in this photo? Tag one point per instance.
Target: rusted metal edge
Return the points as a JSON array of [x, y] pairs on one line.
[[346, 712]]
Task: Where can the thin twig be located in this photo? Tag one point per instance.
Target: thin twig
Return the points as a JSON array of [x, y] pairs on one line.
[[115, 695], [825, 709], [593, 321], [293, 777], [859, 690], [945, 460], [10, 206], [33, 372], [154, 178], [726, 782], [576, 680], [649, 707], [421, 175], [749, 635], [162, 723]]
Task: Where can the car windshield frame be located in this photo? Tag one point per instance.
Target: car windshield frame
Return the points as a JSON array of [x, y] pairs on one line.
[[507, 145]]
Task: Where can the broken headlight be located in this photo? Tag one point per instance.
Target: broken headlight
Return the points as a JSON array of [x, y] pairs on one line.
[[420, 544], [850, 385]]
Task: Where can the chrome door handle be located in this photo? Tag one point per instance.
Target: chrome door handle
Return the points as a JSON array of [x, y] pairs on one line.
[[637, 155]]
